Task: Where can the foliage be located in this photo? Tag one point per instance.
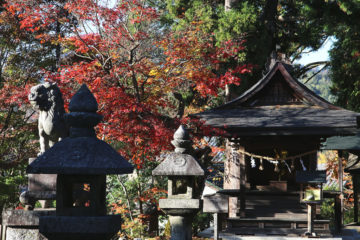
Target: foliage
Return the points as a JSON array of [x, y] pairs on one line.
[[345, 65], [340, 19], [289, 27], [21, 61], [320, 83], [11, 182], [201, 221]]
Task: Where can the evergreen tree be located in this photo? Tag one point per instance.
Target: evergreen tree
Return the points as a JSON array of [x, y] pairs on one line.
[[284, 26]]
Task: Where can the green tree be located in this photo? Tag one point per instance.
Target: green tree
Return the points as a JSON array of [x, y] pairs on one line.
[[340, 19], [285, 26]]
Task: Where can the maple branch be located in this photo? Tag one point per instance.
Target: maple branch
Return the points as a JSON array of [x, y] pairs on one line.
[[135, 85], [87, 45], [128, 32], [83, 56]]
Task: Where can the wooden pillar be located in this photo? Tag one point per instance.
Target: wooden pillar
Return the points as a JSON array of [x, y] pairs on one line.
[[338, 223], [355, 179], [234, 177], [310, 213], [341, 188], [216, 226]]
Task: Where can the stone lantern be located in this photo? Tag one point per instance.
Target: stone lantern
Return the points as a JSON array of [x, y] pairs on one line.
[[311, 193], [182, 170], [82, 162]]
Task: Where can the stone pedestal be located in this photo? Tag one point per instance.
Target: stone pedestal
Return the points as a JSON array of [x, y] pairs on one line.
[[23, 225], [80, 228], [40, 187], [23, 234], [181, 227]]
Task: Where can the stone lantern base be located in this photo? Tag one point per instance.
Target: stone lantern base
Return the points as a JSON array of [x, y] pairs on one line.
[[23, 225], [181, 227], [80, 228]]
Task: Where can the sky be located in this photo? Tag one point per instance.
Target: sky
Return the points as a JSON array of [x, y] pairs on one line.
[[321, 55]]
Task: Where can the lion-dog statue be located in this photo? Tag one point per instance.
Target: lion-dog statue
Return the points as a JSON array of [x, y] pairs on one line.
[[47, 99]]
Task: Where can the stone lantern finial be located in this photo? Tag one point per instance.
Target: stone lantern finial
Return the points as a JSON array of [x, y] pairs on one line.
[[182, 142], [83, 117]]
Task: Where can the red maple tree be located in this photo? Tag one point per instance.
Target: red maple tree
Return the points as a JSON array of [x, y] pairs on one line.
[[131, 66]]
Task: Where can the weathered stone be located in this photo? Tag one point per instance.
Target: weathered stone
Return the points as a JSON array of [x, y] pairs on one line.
[[182, 142], [217, 203], [23, 234], [24, 218], [181, 167], [81, 155], [179, 203], [40, 186], [47, 98], [20, 224], [178, 164], [181, 227]]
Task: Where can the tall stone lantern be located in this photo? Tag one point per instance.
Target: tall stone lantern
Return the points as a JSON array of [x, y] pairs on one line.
[[183, 202], [82, 162]]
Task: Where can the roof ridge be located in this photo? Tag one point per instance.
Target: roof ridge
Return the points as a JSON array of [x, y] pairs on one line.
[[299, 88]]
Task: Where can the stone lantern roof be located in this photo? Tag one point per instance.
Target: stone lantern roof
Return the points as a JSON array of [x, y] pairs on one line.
[[82, 152], [180, 163]]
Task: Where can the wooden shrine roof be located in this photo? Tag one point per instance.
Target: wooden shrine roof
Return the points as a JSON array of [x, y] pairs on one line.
[[280, 105]]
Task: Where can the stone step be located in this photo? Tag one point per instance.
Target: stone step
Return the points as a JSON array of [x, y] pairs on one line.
[[275, 223], [269, 233], [276, 214]]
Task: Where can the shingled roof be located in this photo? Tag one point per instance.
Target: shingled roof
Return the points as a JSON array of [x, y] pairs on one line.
[[279, 104]]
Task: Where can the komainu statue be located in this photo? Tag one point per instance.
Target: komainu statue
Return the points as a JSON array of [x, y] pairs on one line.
[[47, 99]]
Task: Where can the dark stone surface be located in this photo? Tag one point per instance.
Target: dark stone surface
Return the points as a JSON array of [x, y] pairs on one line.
[[82, 119], [72, 197], [81, 155], [41, 182], [83, 101], [69, 228], [23, 218]]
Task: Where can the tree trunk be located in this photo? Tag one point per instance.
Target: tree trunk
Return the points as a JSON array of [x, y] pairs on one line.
[[229, 4]]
